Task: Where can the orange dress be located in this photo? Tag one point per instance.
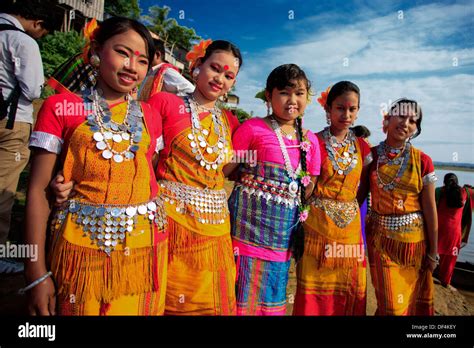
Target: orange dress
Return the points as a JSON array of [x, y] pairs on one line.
[[396, 237], [105, 262], [201, 272], [331, 276]]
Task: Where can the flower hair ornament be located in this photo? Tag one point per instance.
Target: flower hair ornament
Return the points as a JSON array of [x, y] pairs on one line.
[[322, 100], [89, 32], [198, 51]]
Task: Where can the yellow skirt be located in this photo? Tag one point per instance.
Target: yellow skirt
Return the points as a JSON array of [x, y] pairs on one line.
[[201, 273]]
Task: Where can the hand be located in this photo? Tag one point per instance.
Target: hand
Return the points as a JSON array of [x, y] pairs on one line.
[[62, 191], [42, 299], [430, 264]]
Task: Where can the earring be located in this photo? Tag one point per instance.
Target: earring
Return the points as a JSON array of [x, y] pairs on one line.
[[268, 109], [328, 118], [95, 61], [385, 122], [196, 73]]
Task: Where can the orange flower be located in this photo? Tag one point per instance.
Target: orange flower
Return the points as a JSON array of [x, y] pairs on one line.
[[88, 32], [324, 97], [197, 52]]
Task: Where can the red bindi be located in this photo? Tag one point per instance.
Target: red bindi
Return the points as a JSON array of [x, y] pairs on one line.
[[226, 67], [137, 53]]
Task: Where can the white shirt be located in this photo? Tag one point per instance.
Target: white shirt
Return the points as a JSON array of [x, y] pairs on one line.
[[174, 82], [20, 61]]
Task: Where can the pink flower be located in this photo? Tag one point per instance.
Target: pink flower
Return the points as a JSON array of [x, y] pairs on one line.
[[305, 180], [305, 146], [303, 215]]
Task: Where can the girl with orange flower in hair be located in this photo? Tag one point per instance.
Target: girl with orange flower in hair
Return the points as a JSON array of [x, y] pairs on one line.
[[197, 144], [107, 250], [331, 276], [402, 227]]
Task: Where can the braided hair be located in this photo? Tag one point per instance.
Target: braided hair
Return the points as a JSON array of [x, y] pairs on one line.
[[452, 191], [298, 237]]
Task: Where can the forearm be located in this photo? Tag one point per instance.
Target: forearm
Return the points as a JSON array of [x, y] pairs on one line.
[[37, 213], [431, 218]]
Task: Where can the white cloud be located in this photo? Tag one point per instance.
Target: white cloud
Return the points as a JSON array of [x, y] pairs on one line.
[[388, 58]]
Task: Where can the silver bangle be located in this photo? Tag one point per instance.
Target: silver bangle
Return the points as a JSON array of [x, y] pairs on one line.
[[436, 260], [36, 282]]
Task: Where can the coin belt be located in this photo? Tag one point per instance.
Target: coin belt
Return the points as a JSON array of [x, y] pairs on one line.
[[207, 205], [270, 190], [107, 225], [394, 222], [341, 213]]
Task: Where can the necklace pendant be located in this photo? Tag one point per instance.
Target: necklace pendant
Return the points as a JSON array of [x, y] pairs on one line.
[[208, 167], [107, 154], [117, 138], [214, 166], [340, 172], [289, 137], [125, 136], [202, 163], [202, 144], [98, 136], [101, 145], [118, 158], [293, 187], [108, 135], [193, 144], [209, 150], [190, 136], [205, 132]]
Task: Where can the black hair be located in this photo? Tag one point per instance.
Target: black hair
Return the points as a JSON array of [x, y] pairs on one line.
[[160, 48], [222, 45], [452, 191], [283, 75], [401, 105], [361, 131], [297, 239], [119, 25], [339, 89], [33, 10]]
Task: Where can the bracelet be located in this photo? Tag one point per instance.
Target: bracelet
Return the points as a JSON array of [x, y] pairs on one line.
[[36, 282], [436, 260]]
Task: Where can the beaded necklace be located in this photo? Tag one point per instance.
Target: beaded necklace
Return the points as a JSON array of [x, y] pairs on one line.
[[293, 186], [399, 157], [105, 129], [343, 155], [198, 136]]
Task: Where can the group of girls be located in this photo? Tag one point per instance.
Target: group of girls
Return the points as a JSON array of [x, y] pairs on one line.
[[150, 230]]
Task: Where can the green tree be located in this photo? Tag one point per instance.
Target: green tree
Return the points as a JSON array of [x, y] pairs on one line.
[[122, 8], [168, 28], [182, 36], [58, 47], [159, 21]]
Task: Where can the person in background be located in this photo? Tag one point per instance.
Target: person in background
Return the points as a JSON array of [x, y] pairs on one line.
[[451, 200], [163, 76], [21, 78]]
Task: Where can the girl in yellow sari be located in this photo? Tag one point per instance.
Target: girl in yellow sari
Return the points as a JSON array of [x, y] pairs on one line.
[[402, 227], [197, 144], [107, 250], [332, 273]]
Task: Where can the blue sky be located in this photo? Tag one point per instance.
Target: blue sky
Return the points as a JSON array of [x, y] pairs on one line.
[[418, 49]]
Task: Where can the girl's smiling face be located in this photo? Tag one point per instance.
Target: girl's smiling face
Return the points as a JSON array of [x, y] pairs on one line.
[[402, 125], [343, 110], [123, 62], [217, 75]]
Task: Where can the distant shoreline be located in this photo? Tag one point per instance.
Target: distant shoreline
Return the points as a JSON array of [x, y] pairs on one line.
[[453, 168]]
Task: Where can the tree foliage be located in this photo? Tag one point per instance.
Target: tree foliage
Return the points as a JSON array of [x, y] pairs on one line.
[[58, 47], [168, 28], [122, 8]]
